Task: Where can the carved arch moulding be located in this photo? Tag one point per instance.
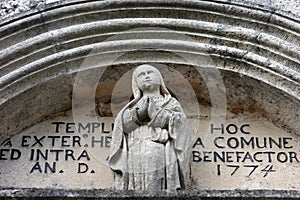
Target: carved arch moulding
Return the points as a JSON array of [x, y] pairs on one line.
[[239, 61]]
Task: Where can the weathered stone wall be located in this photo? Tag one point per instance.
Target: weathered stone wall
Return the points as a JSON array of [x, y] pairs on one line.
[[107, 195], [240, 57], [45, 47], [10, 8]]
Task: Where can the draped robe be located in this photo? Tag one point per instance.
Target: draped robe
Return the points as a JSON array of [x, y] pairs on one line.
[[139, 161]]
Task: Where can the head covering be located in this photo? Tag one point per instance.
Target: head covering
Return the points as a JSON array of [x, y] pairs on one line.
[[118, 149], [137, 93], [176, 149]]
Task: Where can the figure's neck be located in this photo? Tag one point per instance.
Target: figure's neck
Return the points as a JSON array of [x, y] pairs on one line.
[[151, 93]]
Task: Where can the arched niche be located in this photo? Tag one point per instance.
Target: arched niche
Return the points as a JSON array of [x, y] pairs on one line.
[[253, 50]]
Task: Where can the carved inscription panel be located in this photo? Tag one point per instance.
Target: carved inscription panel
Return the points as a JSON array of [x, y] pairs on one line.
[[240, 153]]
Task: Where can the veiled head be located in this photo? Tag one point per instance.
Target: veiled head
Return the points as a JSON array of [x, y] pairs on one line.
[[147, 77]]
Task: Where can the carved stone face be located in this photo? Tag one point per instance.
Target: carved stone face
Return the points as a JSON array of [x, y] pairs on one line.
[[147, 78]]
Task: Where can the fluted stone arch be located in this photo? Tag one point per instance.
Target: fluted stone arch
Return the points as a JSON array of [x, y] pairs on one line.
[[256, 49]]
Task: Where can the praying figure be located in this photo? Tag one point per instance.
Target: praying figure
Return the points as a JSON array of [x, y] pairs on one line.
[[151, 138]]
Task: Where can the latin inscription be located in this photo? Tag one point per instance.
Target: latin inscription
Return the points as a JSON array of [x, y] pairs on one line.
[[63, 151], [66, 142], [235, 148]]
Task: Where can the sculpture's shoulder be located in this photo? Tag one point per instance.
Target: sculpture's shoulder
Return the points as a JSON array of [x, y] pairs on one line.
[[174, 101], [174, 104]]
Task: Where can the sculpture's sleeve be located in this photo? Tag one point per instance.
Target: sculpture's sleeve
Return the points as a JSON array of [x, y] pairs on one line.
[[130, 120], [164, 114], [172, 117]]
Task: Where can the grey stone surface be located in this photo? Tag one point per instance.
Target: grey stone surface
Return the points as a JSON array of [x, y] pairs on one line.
[[113, 194], [151, 139], [51, 48], [253, 49], [9, 8]]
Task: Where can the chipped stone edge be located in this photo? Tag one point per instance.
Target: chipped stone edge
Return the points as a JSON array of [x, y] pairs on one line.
[[44, 5], [35, 193]]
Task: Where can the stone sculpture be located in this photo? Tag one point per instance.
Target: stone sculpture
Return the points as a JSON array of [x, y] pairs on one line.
[[150, 141]]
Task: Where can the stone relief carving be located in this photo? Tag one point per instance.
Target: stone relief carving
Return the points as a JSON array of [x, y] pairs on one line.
[[10, 8], [151, 138]]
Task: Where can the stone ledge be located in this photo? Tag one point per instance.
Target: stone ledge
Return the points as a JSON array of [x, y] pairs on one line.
[[118, 194], [11, 9]]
